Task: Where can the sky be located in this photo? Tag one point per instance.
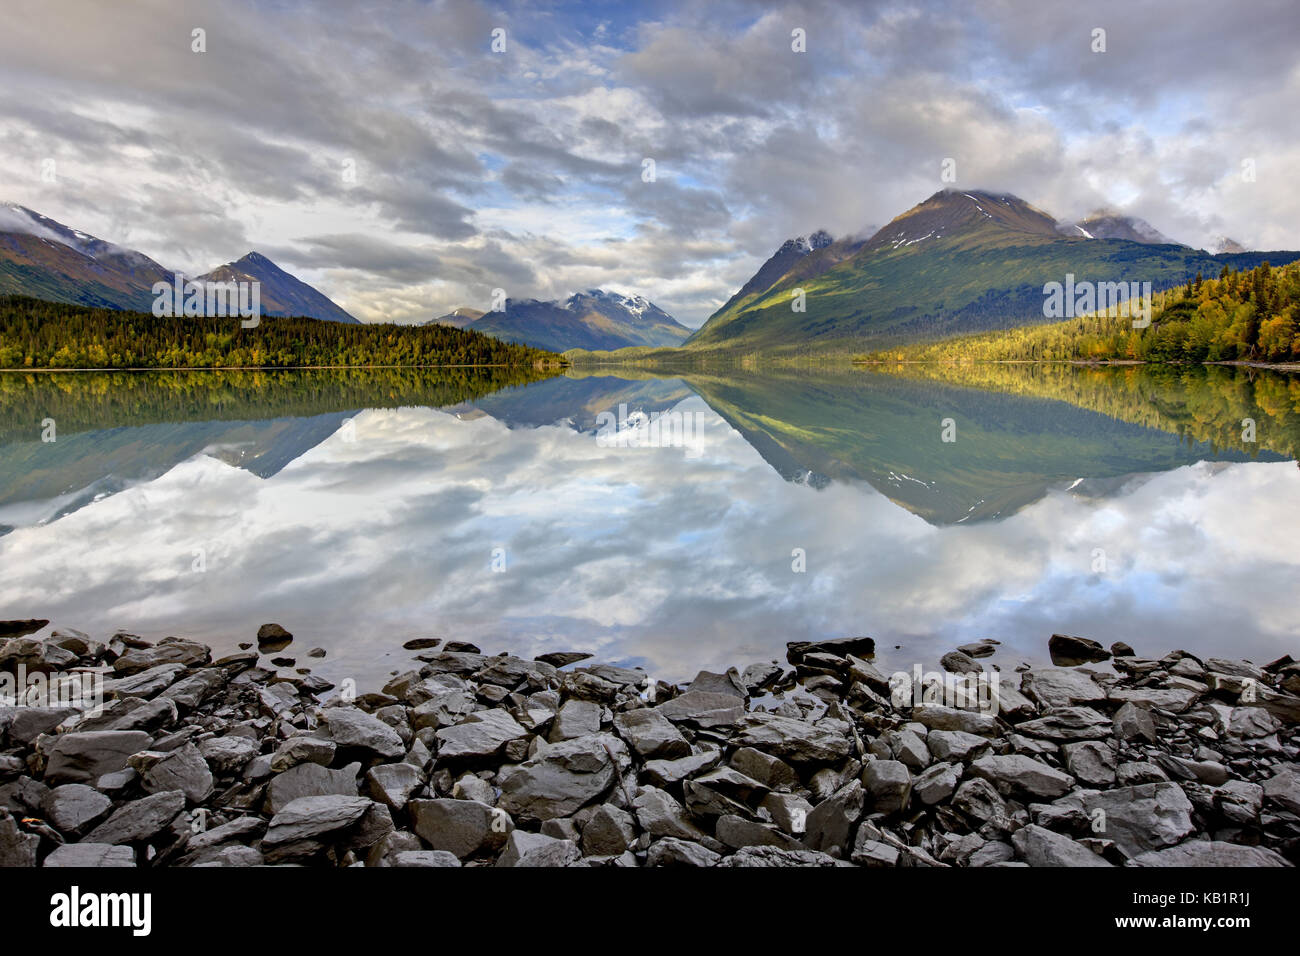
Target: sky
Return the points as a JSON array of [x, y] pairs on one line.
[[388, 155]]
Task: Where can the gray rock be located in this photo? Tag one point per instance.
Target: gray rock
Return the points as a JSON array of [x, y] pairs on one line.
[[609, 831], [1252, 722], [16, 847], [830, 825], [228, 753], [91, 855], [74, 807], [309, 818], [736, 832], [667, 773], [652, 735], [85, 757], [310, 780], [659, 815], [145, 684], [703, 709], [723, 791], [1146, 817], [977, 799], [562, 777], [576, 718], [1059, 687], [169, 651], [393, 783], [183, 769], [889, 784], [1133, 723], [1017, 775], [194, 690], [303, 749], [1211, 853], [671, 851], [959, 662], [424, 858], [1091, 762], [140, 820], [353, 729], [25, 724], [534, 849], [955, 744], [1283, 789], [936, 784], [462, 827], [754, 856], [1131, 773], [794, 741], [1070, 651], [772, 772], [874, 853], [937, 717], [1042, 847], [1068, 723], [481, 734]]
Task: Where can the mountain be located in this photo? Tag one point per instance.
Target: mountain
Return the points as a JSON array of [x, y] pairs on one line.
[[958, 262], [1222, 244], [594, 319], [282, 294], [1105, 224], [458, 318], [47, 260]]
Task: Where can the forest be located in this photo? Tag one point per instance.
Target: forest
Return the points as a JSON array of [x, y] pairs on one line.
[[1248, 316], [35, 334]]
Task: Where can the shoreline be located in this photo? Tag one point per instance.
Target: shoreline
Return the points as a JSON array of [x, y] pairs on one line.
[[471, 759]]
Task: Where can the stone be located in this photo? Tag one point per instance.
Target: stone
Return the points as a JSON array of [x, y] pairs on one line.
[[393, 783], [652, 735], [1091, 762], [659, 815], [575, 718], [481, 734], [1069, 651], [534, 849], [146, 684], [24, 724], [723, 791], [1041, 847], [169, 651], [667, 773], [959, 662], [91, 856], [195, 689], [936, 784], [355, 731], [889, 785], [74, 807], [794, 741], [16, 847], [140, 820], [424, 858], [463, 827], [1068, 723], [977, 799], [831, 823], [937, 717], [310, 780], [1283, 789], [767, 856], [308, 818], [671, 851], [608, 832], [761, 676], [703, 709], [303, 749], [1134, 723], [1059, 687], [272, 638], [561, 778], [1252, 722], [1150, 816], [955, 745], [228, 754], [85, 757], [561, 658], [772, 772], [1120, 649], [183, 769], [874, 853], [1211, 853], [1018, 775]]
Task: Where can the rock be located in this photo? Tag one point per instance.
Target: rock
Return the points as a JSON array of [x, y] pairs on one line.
[[303, 749], [472, 787], [1070, 651], [1017, 775], [652, 735], [1206, 771], [559, 659], [1240, 801], [704, 709], [228, 754], [1131, 773], [421, 643], [139, 821], [958, 662], [183, 769], [910, 749], [24, 724], [874, 853], [1133, 723], [310, 780], [723, 791], [562, 777], [984, 648], [575, 718], [85, 757], [838, 647], [308, 818], [16, 847], [830, 825], [670, 851], [1091, 762], [1172, 699], [534, 849], [889, 784], [772, 772], [356, 732], [955, 745], [667, 773], [424, 858], [91, 855], [1120, 649], [1283, 789], [1068, 723], [936, 784], [74, 807], [462, 827], [737, 831], [759, 677], [1252, 722], [194, 690], [272, 638], [146, 684], [1150, 816], [977, 799], [1042, 847], [393, 783], [794, 741], [659, 815], [1058, 687], [481, 734], [937, 717], [169, 651], [751, 856], [1210, 853], [21, 627], [609, 831]]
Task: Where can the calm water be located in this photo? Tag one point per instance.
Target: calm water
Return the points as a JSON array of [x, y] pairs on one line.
[[362, 509]]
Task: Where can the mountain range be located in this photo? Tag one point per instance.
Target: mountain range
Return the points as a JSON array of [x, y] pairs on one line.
[[958, 262], [48, 260], [595, 319]]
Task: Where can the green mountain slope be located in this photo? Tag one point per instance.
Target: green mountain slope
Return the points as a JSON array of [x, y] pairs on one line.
[[956, 263]]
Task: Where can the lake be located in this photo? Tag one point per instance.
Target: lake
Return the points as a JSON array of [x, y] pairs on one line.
[[669, 521]]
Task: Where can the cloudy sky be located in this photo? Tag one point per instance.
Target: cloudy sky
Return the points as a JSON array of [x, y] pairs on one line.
[[387, 154]]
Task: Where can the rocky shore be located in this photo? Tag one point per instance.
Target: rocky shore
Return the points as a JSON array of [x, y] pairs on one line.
[[468, 759]]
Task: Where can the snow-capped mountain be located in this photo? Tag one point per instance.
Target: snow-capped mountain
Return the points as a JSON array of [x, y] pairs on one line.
[[594, 319]]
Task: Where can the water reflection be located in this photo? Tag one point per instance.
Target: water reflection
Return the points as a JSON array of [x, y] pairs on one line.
[[360, 538]]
